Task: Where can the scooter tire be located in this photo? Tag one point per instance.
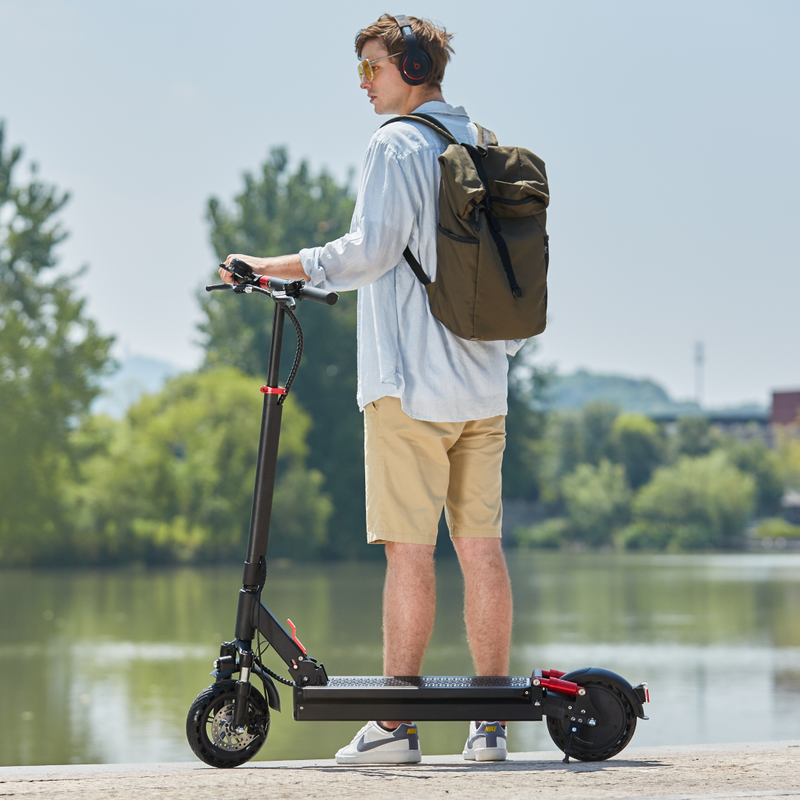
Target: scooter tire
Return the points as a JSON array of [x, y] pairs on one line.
[[208, 731], [614, 729]]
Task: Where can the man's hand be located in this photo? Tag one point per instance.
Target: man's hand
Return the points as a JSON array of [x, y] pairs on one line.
[[251, 262], [286, 267]]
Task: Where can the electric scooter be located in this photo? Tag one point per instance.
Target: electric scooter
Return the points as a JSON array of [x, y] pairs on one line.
[[591, 712]]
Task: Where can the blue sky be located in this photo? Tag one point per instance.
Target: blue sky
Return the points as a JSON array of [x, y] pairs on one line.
[[670, 132]]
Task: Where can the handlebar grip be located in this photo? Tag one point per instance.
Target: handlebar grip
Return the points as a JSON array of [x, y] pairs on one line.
[[216, 286], [318, 295]]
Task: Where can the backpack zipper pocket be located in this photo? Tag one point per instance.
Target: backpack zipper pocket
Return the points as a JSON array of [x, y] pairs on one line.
[[457, 238]]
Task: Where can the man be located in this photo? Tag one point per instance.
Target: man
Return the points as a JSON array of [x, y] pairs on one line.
[[434, 404]]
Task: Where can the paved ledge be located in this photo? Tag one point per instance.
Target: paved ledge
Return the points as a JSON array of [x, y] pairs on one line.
[[757, 769]]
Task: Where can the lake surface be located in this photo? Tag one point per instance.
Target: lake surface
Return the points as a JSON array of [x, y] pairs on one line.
[[102, 666]]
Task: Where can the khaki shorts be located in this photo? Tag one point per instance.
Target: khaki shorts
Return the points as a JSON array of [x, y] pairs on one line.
[[415, 468]]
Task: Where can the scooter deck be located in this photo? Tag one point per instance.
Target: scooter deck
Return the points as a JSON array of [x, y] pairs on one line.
[[420, 698]]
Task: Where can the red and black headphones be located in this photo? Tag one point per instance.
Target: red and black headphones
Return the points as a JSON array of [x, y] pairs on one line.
[[415, 66]]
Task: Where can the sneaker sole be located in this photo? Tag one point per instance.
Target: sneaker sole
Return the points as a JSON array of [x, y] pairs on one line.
[[409, 757], [486, 754]]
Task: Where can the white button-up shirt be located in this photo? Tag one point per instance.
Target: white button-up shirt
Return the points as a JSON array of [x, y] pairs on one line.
[[403, 350]]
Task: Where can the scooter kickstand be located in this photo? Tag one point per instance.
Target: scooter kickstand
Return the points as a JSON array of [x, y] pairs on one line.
[[574, 730]]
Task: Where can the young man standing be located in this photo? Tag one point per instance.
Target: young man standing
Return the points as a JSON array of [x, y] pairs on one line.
[[434, 404]]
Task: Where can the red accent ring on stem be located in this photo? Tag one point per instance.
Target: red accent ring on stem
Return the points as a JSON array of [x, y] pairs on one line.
[[273, 389]]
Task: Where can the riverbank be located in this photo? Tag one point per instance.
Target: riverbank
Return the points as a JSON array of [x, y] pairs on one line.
[[758, 769]]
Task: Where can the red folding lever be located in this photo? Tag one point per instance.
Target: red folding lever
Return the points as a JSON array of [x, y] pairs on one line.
[[294, 636]]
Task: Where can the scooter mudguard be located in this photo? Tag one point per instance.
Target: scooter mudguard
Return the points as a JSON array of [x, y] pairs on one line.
[[587, 673], [273, 698]]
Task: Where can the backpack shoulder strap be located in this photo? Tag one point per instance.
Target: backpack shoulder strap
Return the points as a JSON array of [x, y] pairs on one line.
[[428, 120], [486, 137]]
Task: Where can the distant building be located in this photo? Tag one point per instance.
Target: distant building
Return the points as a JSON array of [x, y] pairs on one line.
[[784, 416], [741, 425], [785, 408]]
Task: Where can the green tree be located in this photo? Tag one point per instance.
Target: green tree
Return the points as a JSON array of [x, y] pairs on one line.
[[695, 437], [597, 420], [598, 501], [756, 459], [51, 356], [174, 479], [278, 212], [637, 444], [573, 438], [525, 426], [696, 504]]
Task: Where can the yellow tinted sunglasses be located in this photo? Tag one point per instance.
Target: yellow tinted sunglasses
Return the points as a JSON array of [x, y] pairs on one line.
[[365, 67]]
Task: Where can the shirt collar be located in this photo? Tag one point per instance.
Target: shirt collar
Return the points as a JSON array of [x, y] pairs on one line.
[[438, 107]]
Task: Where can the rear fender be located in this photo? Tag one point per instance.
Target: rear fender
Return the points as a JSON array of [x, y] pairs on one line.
[[580, 676]]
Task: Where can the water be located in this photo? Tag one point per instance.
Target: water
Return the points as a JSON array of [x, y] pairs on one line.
[[101, 666]]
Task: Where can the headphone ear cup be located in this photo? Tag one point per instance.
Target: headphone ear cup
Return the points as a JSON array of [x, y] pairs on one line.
[[415, 67]]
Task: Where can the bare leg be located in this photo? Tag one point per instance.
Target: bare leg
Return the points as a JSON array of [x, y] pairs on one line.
[[487, 603], [488, 607], [409, 607]]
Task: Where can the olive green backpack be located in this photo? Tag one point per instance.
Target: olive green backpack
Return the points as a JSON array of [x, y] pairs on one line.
[[492, 247]]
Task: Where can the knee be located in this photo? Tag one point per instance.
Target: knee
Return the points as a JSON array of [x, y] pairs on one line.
[[412, 555]]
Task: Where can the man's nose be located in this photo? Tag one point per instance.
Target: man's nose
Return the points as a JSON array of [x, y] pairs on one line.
[[364, 82]]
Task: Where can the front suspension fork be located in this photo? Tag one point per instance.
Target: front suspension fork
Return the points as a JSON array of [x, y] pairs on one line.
[[242, 689]]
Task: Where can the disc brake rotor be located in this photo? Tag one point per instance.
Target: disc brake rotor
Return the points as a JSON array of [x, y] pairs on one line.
[[223, 735]]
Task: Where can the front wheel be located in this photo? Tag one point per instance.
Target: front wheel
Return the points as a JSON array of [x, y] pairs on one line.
[[609, 736], [209, 731]]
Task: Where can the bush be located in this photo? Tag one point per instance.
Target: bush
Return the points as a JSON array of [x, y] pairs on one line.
[[700, 502], [645, 536], [777, 528], [598, 501], [547, 535]]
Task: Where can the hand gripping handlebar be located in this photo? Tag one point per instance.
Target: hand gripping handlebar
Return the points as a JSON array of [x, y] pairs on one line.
[[246, 279]]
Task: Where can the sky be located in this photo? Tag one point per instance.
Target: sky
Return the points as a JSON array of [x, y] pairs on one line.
[[670, 133]]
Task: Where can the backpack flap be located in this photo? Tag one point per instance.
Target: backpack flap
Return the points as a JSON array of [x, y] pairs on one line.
[[517, 182]]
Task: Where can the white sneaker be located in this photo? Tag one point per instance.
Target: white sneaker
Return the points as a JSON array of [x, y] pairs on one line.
[[486, 742], [375, 745]]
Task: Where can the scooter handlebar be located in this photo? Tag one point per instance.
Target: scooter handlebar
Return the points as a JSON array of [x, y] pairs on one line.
[[278, 284]]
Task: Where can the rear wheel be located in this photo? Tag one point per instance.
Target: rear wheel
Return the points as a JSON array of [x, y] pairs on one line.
[[209, 731], [613, 731]]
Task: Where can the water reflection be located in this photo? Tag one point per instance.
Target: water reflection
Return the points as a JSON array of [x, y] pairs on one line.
[[102, 666]]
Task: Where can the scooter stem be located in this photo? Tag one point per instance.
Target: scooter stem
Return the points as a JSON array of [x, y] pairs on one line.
[[267, 461]]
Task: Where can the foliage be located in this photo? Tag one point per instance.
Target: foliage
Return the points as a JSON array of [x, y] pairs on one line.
[[695, 504], [574, 438], [777, 528], [51, 357], [598, 501], [695, 437], [281, 212], [788, 457], [754, 458], [638, 444], [174, 479], [548, 535], [525, 425]]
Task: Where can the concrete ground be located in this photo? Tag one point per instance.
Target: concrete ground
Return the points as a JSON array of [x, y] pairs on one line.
[[761, 769]]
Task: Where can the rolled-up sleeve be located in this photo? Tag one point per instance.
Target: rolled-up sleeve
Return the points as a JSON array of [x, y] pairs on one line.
[[383, 221]]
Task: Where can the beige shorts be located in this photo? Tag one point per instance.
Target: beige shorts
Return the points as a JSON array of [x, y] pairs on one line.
[[415, 468]]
